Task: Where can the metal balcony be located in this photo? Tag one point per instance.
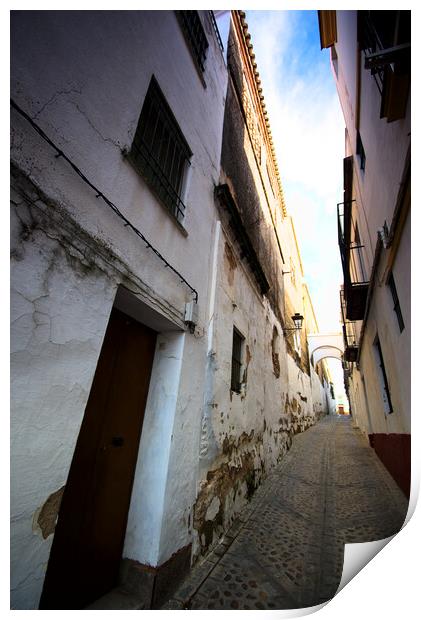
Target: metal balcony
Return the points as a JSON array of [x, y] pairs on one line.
[[350, 334], [355, 279], [385, 39]]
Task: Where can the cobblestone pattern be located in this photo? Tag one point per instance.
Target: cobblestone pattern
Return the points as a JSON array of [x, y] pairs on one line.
[[286, 549]]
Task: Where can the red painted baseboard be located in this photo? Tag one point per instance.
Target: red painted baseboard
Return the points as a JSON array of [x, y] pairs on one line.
[[394, 450]]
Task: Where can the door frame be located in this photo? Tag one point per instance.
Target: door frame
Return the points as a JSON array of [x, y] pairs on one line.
[[143, 541]]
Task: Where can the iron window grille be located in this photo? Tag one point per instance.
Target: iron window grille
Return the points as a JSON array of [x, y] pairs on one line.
[[159, 150], [195, 35], [237, 352], [396, 304], [217, 34]]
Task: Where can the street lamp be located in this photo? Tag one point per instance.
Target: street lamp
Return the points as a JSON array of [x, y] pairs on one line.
[[298, 323]]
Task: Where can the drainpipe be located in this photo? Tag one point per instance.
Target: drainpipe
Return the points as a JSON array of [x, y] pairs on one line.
[[208, 444]]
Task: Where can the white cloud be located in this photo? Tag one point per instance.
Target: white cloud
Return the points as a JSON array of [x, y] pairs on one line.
[[307, 127]]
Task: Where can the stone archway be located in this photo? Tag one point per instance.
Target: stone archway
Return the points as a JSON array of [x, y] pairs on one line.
[[325, 345]]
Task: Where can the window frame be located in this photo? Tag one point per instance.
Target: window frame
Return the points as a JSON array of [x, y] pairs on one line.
[[237, 354], [150, 150], [198, 49]]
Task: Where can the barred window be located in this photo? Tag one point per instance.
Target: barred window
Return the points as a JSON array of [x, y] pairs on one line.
[[195, 35], [236, 362], [159, 150]]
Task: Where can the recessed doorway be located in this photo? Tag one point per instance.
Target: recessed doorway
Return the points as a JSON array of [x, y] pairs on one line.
[[88, 542]]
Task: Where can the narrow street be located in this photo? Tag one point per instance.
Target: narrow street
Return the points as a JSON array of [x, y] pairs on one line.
[[286, 549], [210, 304]]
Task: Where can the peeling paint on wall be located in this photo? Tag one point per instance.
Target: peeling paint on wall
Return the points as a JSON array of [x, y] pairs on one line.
[[45, 518]]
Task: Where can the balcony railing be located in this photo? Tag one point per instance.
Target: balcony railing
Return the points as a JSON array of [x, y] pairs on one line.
[[350, 333], [355, 277], [347, 371]]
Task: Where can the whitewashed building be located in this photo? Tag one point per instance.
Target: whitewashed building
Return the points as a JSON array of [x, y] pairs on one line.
[[99, 84], [148, 349], [261, 386], [370, 55]]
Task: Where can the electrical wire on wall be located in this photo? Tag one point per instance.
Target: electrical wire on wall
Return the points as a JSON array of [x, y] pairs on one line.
[[99, 194]]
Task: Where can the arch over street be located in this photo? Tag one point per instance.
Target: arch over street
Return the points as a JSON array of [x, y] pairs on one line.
[[325, 345]]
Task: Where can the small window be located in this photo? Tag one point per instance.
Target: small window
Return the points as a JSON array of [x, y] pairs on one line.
[[360, 151], [195, 35], [160, 152], [236, 362], [396, 304]]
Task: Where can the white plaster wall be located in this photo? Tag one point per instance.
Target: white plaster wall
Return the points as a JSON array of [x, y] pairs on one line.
[[319, 391], [385, 144], [87, 96], [145, 521], [180, 490], [396, 347], [91, 109], [346, 50], [261, 418], [251, 429], [293, 281], [376, 190], [361, 408], [189, 433], [59, 313], [239, 303], [331, 402]]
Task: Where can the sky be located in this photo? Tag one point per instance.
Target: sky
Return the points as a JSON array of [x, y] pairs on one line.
[[309, 133]]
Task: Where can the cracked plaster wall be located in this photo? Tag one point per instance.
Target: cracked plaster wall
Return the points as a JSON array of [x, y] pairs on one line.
[[90, 108], [396, 348], [59, 312], [244, 435], [87, 96]]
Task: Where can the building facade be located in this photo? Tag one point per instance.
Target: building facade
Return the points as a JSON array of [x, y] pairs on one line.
[[370, 56], [156, 377], [262, 388]]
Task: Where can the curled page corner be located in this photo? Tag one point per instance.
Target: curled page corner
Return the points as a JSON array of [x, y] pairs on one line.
[[298, 612], [358, 555]]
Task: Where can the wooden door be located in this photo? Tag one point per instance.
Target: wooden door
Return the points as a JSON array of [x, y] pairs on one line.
[[88, 541]]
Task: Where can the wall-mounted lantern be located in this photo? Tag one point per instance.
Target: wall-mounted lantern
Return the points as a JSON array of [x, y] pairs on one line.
[[298, 323]]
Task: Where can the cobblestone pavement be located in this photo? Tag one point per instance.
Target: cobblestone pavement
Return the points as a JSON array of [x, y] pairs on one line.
[[286, 548]]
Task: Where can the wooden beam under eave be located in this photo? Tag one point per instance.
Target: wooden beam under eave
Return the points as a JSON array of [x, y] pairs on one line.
[[327, 28]]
